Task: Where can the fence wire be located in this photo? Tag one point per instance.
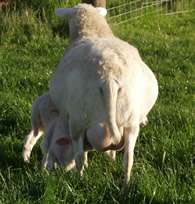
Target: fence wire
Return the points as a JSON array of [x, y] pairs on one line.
[[120, 11]]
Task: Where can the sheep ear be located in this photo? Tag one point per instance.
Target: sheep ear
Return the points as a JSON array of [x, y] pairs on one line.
[[63, 12], [102, 11]]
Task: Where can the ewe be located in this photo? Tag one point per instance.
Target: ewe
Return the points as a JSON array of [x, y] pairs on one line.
[[102, 87], [42, 113]]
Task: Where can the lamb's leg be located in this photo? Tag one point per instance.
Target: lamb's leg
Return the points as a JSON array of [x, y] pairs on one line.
[[45, 154], [130, 135], [45, 161], [48, 158], [70, 166], [111, 154], [78, 147], [85, 159], [29, 142], [50, 161]]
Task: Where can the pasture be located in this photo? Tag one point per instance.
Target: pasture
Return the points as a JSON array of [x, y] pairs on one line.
[[32, 43]]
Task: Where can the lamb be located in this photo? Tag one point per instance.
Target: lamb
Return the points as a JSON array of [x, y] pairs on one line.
[[102, 87], [57, 145], [42, 113]]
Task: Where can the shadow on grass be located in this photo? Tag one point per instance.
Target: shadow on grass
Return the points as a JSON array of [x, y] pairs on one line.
[[11, 156], [61, 29]]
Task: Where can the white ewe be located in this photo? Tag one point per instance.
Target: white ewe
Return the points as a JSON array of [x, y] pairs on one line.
[[102, 87], [42, 113]]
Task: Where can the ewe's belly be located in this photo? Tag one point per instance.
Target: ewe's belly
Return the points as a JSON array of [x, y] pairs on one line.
[[98, 136]]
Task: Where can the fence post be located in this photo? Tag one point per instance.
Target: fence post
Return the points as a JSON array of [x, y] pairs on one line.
[[96, 3]]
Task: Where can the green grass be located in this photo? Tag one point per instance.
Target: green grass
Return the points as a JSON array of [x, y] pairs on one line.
[[30, 49]]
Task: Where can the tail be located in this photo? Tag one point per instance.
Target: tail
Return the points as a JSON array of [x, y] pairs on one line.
[[110, 92]]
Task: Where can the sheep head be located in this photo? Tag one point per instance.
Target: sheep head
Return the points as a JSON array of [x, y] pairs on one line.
[[85, 22]]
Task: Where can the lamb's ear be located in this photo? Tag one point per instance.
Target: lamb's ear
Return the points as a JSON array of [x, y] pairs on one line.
[[102, 11], [63, 12]]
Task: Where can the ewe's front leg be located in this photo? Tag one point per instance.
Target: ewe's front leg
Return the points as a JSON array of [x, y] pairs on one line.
[[86, 158], [131, 135]]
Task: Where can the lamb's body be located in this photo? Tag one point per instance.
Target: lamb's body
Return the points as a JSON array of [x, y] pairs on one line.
[[42, 113], [57, 145], [103, 88]]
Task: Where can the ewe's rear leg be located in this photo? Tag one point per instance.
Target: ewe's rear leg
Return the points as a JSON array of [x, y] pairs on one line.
[[131, 135], [29, 142]]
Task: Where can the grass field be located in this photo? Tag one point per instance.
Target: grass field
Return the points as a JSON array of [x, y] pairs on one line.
[[31, 45]]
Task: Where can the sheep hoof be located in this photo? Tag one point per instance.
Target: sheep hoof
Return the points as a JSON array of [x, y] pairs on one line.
[[126, 189], [26, 156]]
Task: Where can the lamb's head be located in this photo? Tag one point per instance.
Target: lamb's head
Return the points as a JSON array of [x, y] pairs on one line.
[[85, 22]]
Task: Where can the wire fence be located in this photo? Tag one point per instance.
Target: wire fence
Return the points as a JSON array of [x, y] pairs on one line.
[[120, 11]]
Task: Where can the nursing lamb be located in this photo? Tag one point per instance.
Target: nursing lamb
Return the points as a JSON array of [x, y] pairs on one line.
[[42, 113], [57, 145], [102, 87]]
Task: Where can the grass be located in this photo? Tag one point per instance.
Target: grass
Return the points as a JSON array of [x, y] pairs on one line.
[[30, 49]]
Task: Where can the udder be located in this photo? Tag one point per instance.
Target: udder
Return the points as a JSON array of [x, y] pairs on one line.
[[98, 136]]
